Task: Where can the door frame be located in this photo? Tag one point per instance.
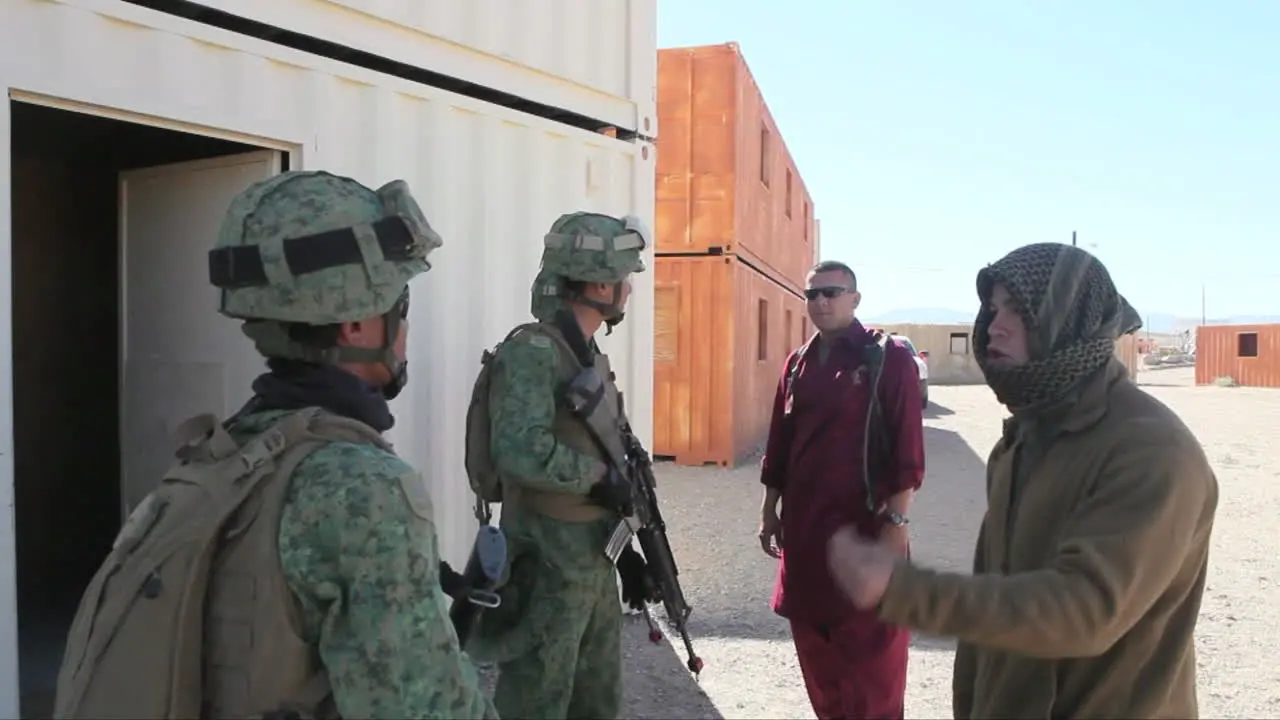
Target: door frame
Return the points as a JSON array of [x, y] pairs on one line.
[[294, 149]]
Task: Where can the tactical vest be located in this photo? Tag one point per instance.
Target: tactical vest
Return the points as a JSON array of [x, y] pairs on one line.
[[215, 630], [574, 433]]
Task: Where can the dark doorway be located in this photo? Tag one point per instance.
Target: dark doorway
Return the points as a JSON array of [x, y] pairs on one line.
[[66, 369]]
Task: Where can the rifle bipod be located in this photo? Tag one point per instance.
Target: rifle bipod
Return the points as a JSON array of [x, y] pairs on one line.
[[694, 663]]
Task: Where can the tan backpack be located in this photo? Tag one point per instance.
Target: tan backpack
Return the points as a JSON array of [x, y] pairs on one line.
[[485, 481], [136, 648]]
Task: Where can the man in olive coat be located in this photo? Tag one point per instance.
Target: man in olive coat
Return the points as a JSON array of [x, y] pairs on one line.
[[1091, 560]]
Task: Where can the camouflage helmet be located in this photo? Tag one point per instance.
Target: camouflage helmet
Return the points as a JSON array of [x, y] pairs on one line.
[[587, 247], [312, 247]]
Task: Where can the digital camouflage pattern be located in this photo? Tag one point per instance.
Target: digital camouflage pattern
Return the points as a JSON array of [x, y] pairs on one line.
[[588, 247], [556, 636], [358, 550], [558, 632], [522, 409], [300, 203], [357, 541]]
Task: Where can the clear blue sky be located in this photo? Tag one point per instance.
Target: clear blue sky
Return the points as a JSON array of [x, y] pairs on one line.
[[936, 136]]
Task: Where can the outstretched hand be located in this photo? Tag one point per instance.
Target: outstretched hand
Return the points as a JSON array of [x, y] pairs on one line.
[[860, 567]]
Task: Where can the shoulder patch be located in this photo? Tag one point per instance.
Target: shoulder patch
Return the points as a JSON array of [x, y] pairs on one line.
[[415, 491], [539, 340]]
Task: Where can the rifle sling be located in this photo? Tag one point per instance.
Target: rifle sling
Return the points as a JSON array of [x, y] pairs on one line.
[[875, 424]]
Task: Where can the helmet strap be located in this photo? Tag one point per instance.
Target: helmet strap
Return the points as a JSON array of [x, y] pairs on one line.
[[272, 340], [612, 311]]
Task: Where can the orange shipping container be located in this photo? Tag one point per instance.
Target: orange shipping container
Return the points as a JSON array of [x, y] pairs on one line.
[[1248, 354], [725, 181], [721, 333]]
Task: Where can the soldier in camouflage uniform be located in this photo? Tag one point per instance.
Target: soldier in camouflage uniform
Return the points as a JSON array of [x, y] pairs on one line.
[[322, 283], [556, 635]]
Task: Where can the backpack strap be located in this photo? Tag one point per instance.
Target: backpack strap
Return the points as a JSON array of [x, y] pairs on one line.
[[209, 448], [203, 438], [793, 369], [874, 437]]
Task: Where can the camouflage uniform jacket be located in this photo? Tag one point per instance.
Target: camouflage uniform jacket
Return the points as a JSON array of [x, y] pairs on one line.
[[358, 550], [523, 411]]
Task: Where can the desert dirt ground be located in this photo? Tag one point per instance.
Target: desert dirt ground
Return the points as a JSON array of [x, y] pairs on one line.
[[751, 670]]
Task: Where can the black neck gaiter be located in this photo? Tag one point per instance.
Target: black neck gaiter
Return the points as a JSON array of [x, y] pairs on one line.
[[293, 385]]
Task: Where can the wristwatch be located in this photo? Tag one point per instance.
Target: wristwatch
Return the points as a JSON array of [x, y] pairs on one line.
[[895, 519]]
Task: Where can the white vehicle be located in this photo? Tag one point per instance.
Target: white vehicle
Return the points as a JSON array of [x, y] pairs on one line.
[[921, 365]]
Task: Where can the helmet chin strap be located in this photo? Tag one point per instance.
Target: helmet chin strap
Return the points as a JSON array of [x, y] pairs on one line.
[[612, 311], [273, 340], [384, 356]]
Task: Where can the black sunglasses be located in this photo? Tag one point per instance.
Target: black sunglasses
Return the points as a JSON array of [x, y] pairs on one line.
[[829, 292]]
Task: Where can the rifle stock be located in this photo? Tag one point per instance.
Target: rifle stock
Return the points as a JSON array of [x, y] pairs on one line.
[[657, 549], [481, 578]]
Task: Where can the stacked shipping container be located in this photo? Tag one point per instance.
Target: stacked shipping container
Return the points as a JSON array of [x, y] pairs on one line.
[[735, 236]]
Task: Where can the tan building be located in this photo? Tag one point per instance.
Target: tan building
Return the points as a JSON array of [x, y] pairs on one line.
[[949, 351], [948, 348]]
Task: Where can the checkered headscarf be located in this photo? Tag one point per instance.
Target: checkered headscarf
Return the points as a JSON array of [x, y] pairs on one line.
[[1073, 315]]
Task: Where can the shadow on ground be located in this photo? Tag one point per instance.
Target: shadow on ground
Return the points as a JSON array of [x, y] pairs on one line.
[[712, 517], [658, 685], [935, 410], [948, 510]]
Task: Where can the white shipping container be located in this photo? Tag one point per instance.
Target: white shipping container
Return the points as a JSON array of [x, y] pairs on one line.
[[128, 130], [588, 56]]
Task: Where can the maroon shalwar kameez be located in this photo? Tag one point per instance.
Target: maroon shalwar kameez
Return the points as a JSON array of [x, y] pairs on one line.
[[854, 666]]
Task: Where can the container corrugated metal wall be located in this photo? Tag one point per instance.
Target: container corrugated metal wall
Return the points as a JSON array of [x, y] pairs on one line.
[[722, 331], [595, 57], [725, 178], [1248, 354], [491, 181]]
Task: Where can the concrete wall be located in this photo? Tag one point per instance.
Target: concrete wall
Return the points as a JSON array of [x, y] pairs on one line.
[[950, 362], [950, 348], [1127, 350]]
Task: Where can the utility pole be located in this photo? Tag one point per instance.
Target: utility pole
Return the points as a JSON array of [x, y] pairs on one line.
[[1073, 238]]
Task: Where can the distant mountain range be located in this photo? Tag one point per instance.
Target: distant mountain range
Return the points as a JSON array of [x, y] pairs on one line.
[[1154, 322]]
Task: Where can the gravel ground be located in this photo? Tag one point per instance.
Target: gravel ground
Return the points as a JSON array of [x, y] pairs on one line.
[[751, 670]]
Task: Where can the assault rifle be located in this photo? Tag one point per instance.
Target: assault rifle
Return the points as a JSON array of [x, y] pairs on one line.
[[583, 395], [475, 589], [652, 532]]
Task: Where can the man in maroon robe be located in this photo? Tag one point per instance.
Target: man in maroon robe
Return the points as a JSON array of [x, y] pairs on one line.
[[854, 666]]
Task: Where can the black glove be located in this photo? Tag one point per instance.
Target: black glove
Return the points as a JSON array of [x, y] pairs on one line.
[[612, 492], [450, 580], [638, 587]]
